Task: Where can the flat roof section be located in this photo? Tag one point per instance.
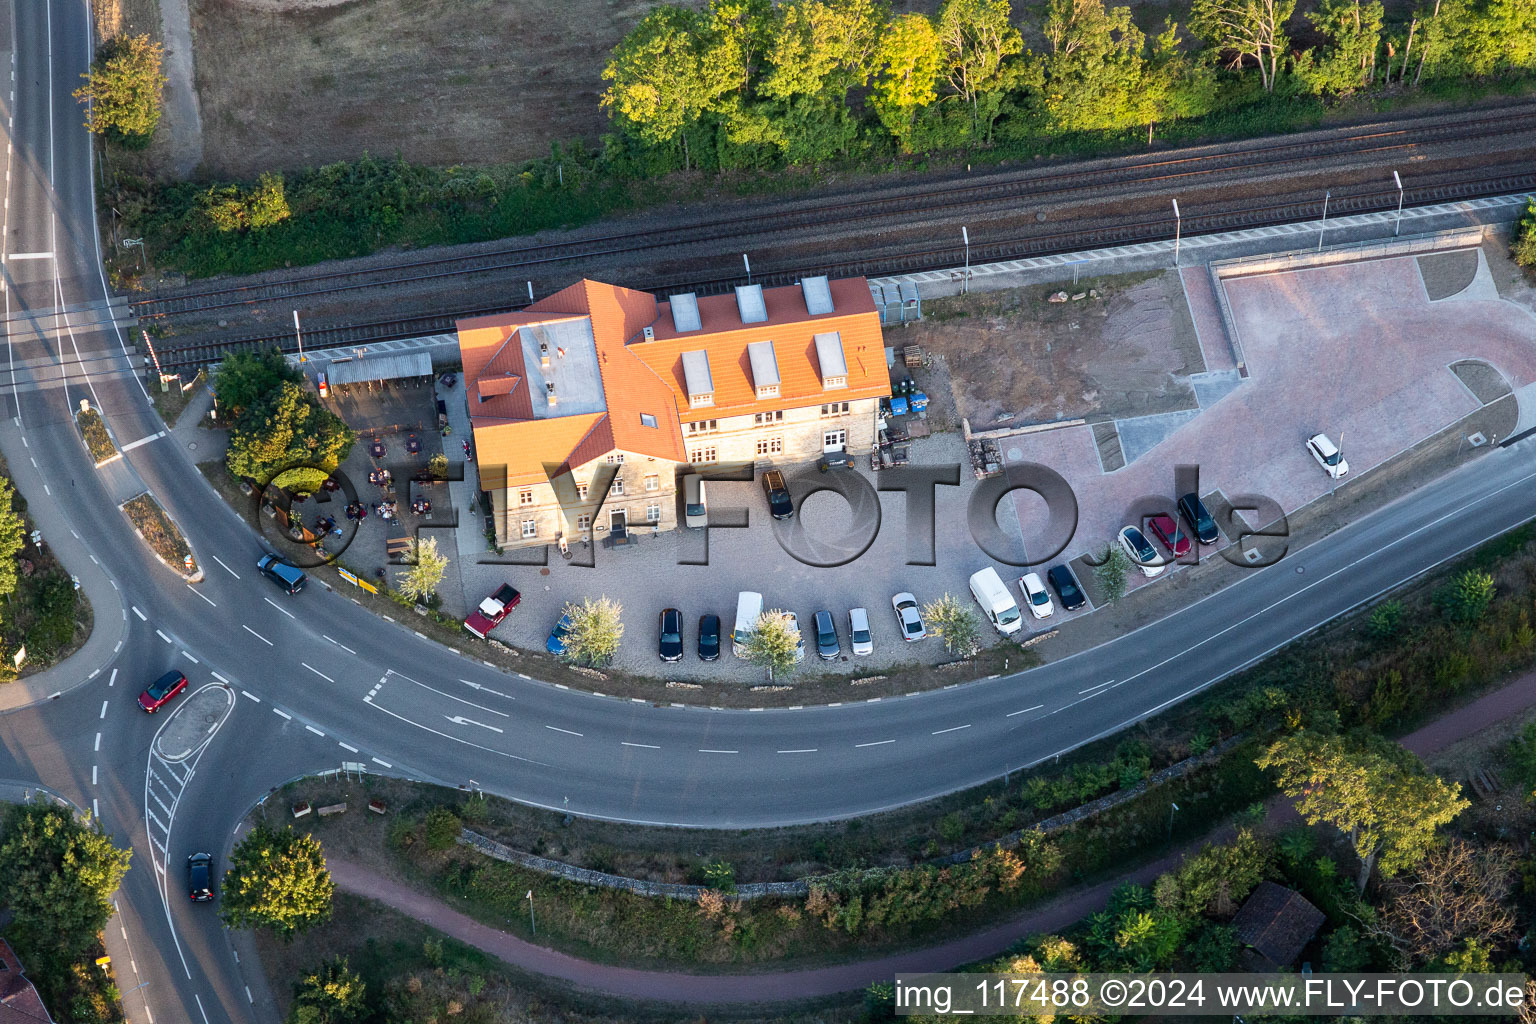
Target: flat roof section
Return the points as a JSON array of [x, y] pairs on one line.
[[765, 368], [392, 367], [818, 295], [750, 304], [829, 354], [571, 352], [685, 312], [696, 373]]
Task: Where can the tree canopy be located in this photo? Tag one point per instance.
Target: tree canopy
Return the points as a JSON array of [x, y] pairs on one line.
[[428, 566], [286, 427], [331, 994], [772, 644], [247, 377], [595, 632], [956, 623], [278, 880], [122, 89], [57, 876], [13, 537]]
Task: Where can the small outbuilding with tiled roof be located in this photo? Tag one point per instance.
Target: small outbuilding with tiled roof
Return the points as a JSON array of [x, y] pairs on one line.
[[1275, 924], [19, 1001]]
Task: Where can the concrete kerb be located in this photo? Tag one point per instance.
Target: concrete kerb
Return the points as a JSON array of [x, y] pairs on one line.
[[193, 724], [196, 576]]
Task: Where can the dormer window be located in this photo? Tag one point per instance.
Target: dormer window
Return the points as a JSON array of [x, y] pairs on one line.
[[765, 369], [697, 379], [829, 357]]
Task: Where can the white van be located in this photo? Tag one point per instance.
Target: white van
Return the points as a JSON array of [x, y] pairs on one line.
[[1001, 609], [695, 509], [749, 608]]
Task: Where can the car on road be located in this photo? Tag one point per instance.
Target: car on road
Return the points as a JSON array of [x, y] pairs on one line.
[[780, 504], [1167, 530], [200, 877], [158, 693], [1199, 519], [290, 577], [669, 635], [695, 507], [709, 637], [908, 617], [492, 610], [1141, 552], [828, 646], [1065, 584], [794, 627], [860, 640], [556, 642], [1328, 456], [1035, 596]]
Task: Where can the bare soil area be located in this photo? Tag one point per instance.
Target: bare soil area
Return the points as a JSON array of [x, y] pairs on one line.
[[1124, 349]]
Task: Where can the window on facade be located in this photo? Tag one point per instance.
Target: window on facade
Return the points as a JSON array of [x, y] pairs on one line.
[[768, 391], [615, 457], [703, 455], [653, 512], [525, 496], [835, 382], [653, 482], [770, 446], [647, 420], [769, 417], [618, 486], [835, 409], [704, 427], [530, 527], [581, 492], [584, 522]]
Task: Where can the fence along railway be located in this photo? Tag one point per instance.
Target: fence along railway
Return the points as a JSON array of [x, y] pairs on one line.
[[994, 200]]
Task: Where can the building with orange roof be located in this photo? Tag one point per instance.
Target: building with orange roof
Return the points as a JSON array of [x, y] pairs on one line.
[[588, 404]]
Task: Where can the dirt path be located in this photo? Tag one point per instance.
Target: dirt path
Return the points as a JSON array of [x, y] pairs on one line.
[[1055, 915], [182, 115]]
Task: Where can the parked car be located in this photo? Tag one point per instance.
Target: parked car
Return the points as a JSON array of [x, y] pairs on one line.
[[1167, 530], [669, 639], [1035, 596], [1065, 584], [695, 507], [709, 637], [860, 640], [1194, 512], [780, 504], [556, 642], [1327, 455], [1001, 610], [492, 610], [200, 877], [1141, 552], [794, 627], [290, 577], [909, 617], [828, 646], [749, 608], [158, 693]]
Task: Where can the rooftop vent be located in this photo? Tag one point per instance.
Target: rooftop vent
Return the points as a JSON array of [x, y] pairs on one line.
[[749, 301], [549, 391], [696, 377], [818, 295], [685, 312]]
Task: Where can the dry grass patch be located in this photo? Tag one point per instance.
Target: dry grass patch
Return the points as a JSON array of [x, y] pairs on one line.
[[173, 401], [162, 536], [97, 440]]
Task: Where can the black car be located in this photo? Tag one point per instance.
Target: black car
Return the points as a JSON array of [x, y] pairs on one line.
[[1199, 520], [200, 877], [670, 635], [780, 504], [290, 577], [709, 637], [828, 646], [1065, 584]]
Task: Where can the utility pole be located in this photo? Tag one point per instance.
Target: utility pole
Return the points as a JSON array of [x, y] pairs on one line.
[[1172, 807], [965, 235], [532, 924], [1178, 229], [1399, 225], [299, 335], [1324, 226]]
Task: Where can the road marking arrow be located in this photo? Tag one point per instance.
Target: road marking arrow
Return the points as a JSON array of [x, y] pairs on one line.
[[456, 720]]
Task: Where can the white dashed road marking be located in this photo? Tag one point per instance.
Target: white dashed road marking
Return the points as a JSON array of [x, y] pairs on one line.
[[141, 615], [161, 634], [647, 746], [876, 743], [341, 645], [705, 751], [255, 634], [317, 672], [200, 594], [189, 657], [1022, 711], [103, 709], [280, 711], [957, 728], [227, 569], [279, 607], [312, 729], [250, 696], [346, 746], [808, 750], [556, 728], [386, 764]]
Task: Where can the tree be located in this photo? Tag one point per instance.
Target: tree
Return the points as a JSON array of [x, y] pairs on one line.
[[773, 644], [1467, 597], [1111, 573], [1096, 71], [57, 876], [284, 429], [1353, 30], [1216, 880], [956, 623], [1372, 789], [246, 378], [1523, 248], [596, 629], [820, 50], [122, 90], [1246, 29], [662, 82], [330, 994], [978, 39], [1458, 892], [13, 537], [278, 880], [907, 78], [428, 565], [233, 208]]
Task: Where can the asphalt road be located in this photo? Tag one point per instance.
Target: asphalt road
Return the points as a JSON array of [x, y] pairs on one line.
[[319, 681]]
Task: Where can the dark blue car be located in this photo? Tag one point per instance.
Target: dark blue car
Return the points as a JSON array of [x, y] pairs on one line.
[[556, 642]]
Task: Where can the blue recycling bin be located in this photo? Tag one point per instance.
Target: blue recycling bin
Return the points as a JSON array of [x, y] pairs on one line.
[[919, 401], [898, 406]]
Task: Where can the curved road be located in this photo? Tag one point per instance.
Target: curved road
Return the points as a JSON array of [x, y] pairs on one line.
[[318, 680]]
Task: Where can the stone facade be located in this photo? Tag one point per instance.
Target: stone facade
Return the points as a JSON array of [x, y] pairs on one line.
[[787, 435], [641, 488]]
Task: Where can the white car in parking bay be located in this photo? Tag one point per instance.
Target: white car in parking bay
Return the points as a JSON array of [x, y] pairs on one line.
[[908, 617], [1036, 597], [863, 641], [1328, 456], [1141, 552]]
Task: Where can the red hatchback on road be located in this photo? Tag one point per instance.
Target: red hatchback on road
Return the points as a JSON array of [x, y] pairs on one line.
[[1167, 530], [162, 690]]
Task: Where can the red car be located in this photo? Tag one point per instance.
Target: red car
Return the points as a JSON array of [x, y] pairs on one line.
[[1167, 530], [162, 690], [492, 610]]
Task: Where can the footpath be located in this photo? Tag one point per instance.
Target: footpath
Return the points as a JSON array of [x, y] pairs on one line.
[[705, 989]]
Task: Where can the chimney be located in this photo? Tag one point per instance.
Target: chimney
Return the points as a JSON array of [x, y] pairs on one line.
[[544, 354], [650, 334], [549, 392]]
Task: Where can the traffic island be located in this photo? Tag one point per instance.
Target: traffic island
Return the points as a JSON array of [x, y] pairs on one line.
[[94, 432], [159, 531], [194, 723]]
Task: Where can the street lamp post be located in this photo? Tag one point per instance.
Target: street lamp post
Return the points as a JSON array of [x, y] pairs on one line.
[[1324, 226], [532, 924], [748, 264], [1399, 225], [1178, 229], [965, 235], [1172, 809], [299, 335]]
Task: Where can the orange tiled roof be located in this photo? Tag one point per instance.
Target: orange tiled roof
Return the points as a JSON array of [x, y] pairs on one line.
[[792, 330]]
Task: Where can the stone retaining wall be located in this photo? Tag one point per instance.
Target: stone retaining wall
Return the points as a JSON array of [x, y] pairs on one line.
[[800, 887]]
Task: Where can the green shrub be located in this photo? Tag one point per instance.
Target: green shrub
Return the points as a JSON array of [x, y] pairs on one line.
[[1386, 620], [1524, 247], [441, 829], [1467, 597], [720, 875]]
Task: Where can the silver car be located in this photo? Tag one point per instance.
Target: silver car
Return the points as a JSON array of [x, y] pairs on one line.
[[909, 618], [862, 641]]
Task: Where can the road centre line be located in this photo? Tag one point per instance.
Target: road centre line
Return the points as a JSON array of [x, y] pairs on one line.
[[704, 750], [219, 678], [248, 694], [346, 746], [312, 729], [189, 657], [386, 764], [807, 750], [255, 634], [227, 569], [341, 645], [103, 709], [280, 711], [957, 728], [141, 615], [161, 634], [1024, 711], [317, 672], [1097, 687], [876, 743], [568, 732], [200, 594], [98, 741], [647, 746], [279, 607], [113, 680], [93, 775]]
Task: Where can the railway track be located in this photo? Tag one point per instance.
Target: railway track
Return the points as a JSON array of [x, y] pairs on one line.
[[1146, 171], [1519, 178]]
